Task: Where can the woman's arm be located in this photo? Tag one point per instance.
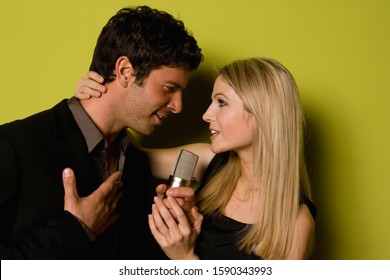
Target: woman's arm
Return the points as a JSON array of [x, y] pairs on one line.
[[303, 235]]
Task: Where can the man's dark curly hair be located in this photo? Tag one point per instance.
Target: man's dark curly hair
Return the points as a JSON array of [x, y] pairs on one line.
[[149, 38]]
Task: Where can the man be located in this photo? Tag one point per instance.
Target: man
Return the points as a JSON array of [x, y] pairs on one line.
[[145, 57]]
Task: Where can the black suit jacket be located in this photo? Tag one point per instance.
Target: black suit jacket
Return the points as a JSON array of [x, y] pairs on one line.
[[33, 153]]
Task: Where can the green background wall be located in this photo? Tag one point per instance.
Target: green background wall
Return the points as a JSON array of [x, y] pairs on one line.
[[338, 51]]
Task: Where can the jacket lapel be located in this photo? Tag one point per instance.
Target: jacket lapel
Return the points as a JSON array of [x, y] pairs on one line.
[[73, 150], [75, 155]]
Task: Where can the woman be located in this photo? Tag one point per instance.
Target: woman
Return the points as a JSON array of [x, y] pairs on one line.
[[254, 194]]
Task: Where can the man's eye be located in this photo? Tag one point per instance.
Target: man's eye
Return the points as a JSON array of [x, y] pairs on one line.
[[170, 89]]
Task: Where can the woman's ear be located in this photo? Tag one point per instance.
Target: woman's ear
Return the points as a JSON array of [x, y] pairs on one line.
[[124, 71]]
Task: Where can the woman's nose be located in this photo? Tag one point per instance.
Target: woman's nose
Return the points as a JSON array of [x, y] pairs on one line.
[[207, 115]]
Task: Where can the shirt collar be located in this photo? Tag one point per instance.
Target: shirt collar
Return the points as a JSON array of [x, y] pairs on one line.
[[90, 132]]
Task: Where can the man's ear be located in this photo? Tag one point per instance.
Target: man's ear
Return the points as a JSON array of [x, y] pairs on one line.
[[124, 71]]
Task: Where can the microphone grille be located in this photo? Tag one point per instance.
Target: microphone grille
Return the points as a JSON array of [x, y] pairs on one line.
[[185, 165]]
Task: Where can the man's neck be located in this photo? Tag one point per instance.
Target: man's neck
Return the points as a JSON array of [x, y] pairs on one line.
[[100, 112]]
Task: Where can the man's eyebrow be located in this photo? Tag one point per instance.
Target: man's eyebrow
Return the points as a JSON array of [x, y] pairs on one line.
[[174, 84]]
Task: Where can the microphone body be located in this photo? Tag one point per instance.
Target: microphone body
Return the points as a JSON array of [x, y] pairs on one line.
[[183, 170]]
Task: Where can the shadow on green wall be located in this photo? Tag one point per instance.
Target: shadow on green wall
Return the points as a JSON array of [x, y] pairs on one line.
[[315, 151], [188, 126]]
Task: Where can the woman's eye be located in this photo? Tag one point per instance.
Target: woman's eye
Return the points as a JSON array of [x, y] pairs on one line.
[[221, 103]]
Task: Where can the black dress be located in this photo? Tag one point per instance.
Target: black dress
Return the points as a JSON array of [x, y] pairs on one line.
[[219, 234]]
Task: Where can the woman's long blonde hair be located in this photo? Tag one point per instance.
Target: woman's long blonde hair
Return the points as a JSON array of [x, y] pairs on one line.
[[270, 95]]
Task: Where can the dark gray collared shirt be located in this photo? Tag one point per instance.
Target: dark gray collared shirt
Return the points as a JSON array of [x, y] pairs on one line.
[[95, 141]]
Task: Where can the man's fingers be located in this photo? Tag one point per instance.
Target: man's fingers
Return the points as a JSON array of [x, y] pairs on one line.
[[114, 177], [115, 200], [112, 220], [110, 186], [69, 182]]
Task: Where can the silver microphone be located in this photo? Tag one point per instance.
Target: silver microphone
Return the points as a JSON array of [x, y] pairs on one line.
[[183, 170]]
